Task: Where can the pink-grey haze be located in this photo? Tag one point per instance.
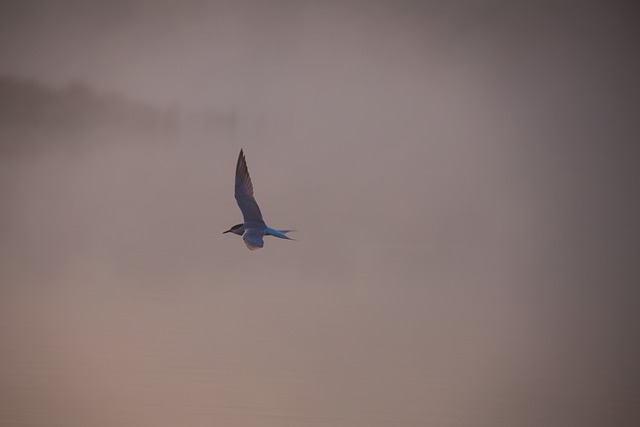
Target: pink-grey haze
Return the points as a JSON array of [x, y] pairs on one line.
[[463, 176]]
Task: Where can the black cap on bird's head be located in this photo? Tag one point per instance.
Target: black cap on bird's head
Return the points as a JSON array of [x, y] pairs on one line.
[[236, 229]]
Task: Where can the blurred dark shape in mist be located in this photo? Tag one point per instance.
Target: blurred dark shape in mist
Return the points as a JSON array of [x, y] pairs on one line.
[[32, 113]]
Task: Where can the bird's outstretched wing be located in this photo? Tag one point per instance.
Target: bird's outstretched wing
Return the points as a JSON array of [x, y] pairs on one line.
[[244, 195]]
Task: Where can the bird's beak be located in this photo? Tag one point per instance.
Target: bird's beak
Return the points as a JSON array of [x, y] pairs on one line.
[[224, 232]]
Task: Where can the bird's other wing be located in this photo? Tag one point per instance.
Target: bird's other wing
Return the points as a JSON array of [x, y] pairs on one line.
[[244, 194], [254, 239]]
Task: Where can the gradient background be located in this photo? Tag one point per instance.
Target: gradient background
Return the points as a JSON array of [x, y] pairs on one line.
[[464, 176]]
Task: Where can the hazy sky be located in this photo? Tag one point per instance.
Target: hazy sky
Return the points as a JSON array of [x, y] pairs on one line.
[[462, 175]]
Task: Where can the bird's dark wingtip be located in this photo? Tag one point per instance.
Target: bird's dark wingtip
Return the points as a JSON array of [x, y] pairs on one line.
[[241, 160]]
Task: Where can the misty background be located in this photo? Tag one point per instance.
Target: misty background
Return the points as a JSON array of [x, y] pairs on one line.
[[463, 176]]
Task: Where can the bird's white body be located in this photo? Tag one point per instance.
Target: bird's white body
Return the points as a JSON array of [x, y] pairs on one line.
[[253, 229]]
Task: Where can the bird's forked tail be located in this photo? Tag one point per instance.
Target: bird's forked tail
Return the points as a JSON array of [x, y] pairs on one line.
[[282, 234]]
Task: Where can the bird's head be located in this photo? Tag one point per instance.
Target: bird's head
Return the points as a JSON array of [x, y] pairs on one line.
[[236, 229]]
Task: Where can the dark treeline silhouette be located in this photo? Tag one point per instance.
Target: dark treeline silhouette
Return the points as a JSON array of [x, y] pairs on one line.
[[33, 115]]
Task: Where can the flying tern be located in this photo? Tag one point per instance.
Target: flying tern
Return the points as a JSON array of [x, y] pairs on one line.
[[253, 229]]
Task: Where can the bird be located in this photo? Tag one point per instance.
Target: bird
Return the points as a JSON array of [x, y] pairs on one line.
[[253, 229]]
